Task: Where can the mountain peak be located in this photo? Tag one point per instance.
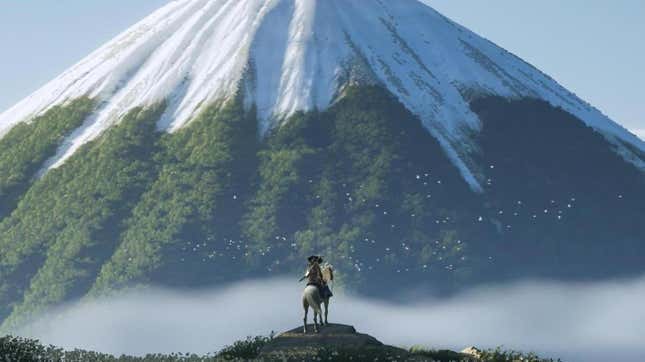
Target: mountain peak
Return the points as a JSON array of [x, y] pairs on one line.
[[285, 56]]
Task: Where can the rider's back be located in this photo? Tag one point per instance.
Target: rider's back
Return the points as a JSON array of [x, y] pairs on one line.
[[314, 275]]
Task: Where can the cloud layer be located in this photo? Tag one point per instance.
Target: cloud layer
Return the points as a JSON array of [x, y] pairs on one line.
[[578, 322]]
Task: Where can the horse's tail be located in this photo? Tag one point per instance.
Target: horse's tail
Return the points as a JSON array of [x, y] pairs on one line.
[[311, 297]]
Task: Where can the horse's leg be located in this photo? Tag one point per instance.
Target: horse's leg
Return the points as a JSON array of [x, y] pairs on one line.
[[306, 307], [316, 314], [326, 310]]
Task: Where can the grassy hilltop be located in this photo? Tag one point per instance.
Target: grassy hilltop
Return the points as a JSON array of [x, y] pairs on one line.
[[20, 349]]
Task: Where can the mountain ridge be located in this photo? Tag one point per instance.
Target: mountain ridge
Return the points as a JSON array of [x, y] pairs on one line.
[[292, 55]]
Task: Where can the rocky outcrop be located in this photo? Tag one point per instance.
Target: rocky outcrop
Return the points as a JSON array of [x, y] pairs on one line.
[[337, 335], [343, 342], [472, 351]]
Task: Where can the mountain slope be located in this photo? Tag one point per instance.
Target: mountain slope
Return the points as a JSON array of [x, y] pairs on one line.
[[67, 224], [291, 55], [362, 183], [220, 140], [27, 146]]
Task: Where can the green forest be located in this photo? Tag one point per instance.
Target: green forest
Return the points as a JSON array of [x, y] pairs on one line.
[[28, 145], [363, 183]]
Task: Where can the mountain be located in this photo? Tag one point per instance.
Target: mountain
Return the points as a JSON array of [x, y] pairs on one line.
[[223, 139]]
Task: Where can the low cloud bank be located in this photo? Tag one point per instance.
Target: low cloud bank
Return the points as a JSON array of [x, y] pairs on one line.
[[578, 322]]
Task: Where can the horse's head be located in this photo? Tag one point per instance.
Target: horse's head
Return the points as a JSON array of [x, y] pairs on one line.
[[327, 273]]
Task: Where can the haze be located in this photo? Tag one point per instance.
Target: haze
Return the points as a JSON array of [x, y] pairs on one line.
[[576, 322]]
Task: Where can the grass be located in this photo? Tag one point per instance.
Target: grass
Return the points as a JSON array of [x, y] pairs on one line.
[[23, 349]]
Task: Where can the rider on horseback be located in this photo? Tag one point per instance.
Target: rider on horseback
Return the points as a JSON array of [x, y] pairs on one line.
[[314, 276], [314, 297]]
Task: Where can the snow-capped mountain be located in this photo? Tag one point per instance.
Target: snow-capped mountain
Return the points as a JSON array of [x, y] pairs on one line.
[[286, 56], [219, 140]]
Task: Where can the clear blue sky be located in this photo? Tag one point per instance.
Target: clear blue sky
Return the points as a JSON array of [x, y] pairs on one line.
[[595, 48]]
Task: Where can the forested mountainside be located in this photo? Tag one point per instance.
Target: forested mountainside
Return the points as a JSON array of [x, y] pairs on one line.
[[362, 183]]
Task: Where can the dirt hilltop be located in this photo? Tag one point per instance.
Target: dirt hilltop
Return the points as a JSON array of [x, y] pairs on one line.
[[339, 339]]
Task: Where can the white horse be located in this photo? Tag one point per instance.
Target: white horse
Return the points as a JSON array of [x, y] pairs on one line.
[[311, 298]]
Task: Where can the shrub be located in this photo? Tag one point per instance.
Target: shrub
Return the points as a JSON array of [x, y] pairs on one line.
[[247, 349], [500, 355]]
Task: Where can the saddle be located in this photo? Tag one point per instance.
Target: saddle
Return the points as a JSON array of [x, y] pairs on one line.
[[323, 289]]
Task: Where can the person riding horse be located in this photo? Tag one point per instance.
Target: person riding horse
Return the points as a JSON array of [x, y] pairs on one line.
[[314, 276], [317, 292]]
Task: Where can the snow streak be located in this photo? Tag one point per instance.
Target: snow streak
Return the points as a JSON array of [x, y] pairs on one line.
[[291, 55]]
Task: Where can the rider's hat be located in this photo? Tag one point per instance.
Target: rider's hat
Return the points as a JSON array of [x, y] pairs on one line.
[[315, 258]]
